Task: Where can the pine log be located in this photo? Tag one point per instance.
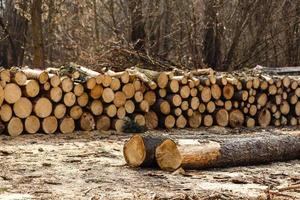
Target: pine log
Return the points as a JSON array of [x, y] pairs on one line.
[[138, 97], [184, 105], [22, 108], [228, 91], [6, 112], [75, 112], [121, 113], [111, 110], [285, 108], [128, 90], [150, 96], [162, 106], [78, 89], [20, 78], [162, 92], [43, 107], [238, 151], [106, 81], [151, 120], [55, 81], [32, 124], [12, 93], [222, 117], [115, 84], [264, 118], [139, 120], [173, 86], [250, 122], [96, 92], [56, 94], [69, 99], [46, 86], [49, 125], [60, 111], [185, 92], [83, 100], [210, 107], [149, 151], [144, 106], [96, 107], [216, 91], [174, 99], [103, 123], [67, 125], [208, 120], [41, 76], [15, 127], [176, 112], [236, 118], [262, 99], [87, 122], [32, 88], [206, 94], [228, 105], [181, 122], [189, 112], [129, 106], [195, 120], [118, 124], [66, 84], [119, 99], [202, 108], [91, 83]]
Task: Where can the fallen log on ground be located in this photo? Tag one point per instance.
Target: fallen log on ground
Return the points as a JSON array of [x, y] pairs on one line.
[[148, 151], [145, 151]]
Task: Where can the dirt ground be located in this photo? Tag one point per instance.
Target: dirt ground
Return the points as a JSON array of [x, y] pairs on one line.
[[91, 166]]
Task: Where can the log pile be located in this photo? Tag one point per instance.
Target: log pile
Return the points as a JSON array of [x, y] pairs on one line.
[[76, 98]]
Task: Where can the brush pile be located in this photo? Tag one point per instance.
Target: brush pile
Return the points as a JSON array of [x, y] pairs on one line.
[[76, 98]]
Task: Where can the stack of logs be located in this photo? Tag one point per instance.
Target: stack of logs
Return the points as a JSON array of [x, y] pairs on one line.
[[45, 101]]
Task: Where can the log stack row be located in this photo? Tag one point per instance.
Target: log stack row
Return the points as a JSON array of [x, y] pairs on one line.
[[50, 101]]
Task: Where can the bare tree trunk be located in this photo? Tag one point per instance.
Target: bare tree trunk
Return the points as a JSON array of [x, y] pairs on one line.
[[37, 34], [96, 20], [212, 38], [14, 28], [138, 34]]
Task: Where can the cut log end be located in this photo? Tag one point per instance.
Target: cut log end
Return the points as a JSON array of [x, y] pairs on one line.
[[168, 156]]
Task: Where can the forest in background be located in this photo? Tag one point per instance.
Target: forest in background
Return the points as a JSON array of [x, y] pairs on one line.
[[222, 34]]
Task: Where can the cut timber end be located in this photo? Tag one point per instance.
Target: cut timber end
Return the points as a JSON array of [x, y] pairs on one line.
[[60, 111], [12, 93], [222, 117], [43, 107], [134, 151], [67, 125], [75, 112], [32, 124], [151, 120], [15, 127], [168, 156], [6, 112], [32, 88], [87, 122], [264, 118], [148, 151], [103, 123], [49, 125], [228, 91], [236, 118], [22, 108]]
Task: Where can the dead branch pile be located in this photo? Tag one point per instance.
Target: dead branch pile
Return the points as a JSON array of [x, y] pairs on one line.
[[76, 98]]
